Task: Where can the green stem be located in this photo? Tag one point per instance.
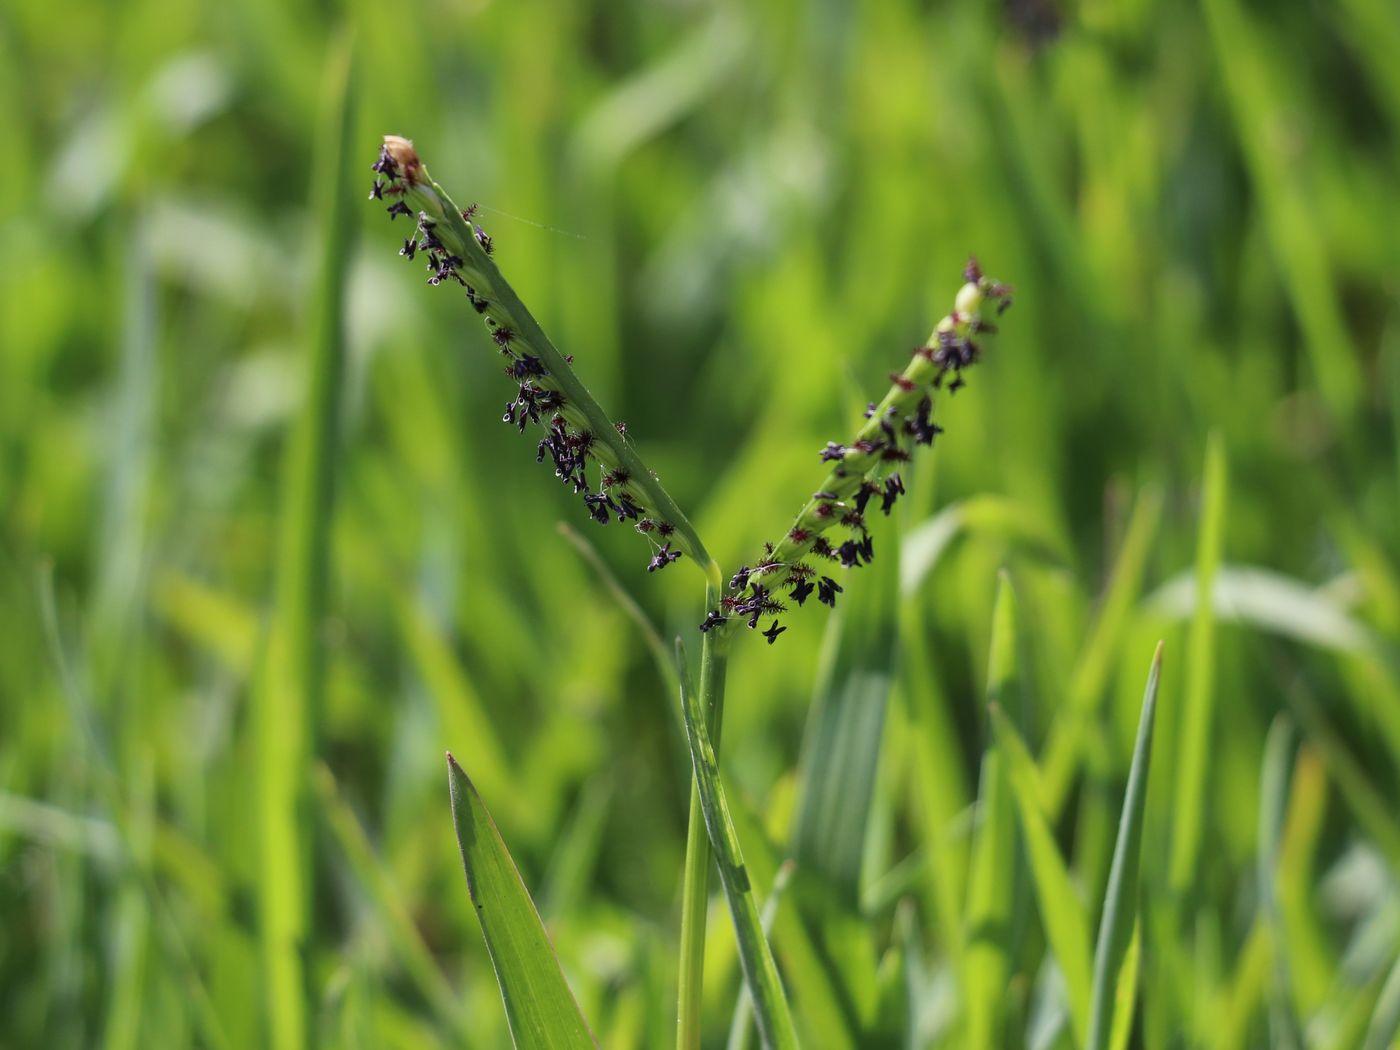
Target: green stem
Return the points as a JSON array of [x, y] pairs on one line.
[[714, 658], [760, 972]]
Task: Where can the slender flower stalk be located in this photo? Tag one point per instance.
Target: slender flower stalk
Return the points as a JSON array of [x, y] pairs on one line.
[[864, 471], [578, 434]]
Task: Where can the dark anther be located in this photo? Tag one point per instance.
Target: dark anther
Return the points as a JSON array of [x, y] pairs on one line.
[[801, 589], [597, 504], [376, 192], [920, 426], [824, 495], [409, 247], [850, 554], [627, 508], [869, 409], [483, 239], [773, 631], [866, 548], [833, 453], [712, 620], [385, 164], [972, 272], [862, 497], [894, 488], [740, 579], [827, 590], [478, 303], [662, 558], [399, 208]]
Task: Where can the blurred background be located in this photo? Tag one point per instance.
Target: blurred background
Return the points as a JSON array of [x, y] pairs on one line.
[[738, 217]]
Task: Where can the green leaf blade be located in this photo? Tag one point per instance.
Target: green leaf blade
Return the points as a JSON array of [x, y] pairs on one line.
[[540, 1007], [1120, 899]]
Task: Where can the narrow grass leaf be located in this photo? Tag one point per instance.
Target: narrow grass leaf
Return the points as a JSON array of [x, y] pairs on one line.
[[992, 882], [741, 1027], [1062, 912], [1273, 795], [1121, 898], [540, 1008], [290, 683], [1193, 748]]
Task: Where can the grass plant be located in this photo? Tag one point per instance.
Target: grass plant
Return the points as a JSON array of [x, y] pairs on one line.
[[267, 549]]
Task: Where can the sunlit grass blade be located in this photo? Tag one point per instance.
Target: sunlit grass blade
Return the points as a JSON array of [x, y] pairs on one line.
[[1062, 912], [1193, 747], [1121, 897], [287, 697], [540, 1007], [845, 729], [993, 877], [760, 973]]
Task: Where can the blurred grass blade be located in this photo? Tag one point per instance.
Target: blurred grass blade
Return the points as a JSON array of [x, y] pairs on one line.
[[760, 973], [1062, 912], [993, 877], [1086, 687], [1193, 748], [1269, 601], [845, 729], [1384, 1030], [287, 697], [818, 1006], [989, 514], [540, 1008], [1284, 1030], [388, 903], [1121, 898]]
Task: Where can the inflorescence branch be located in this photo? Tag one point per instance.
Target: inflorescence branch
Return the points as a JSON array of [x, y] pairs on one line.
[[865, 473], [587, 450]]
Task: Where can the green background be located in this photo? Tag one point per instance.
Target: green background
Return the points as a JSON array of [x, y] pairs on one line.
[[738, 217]]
